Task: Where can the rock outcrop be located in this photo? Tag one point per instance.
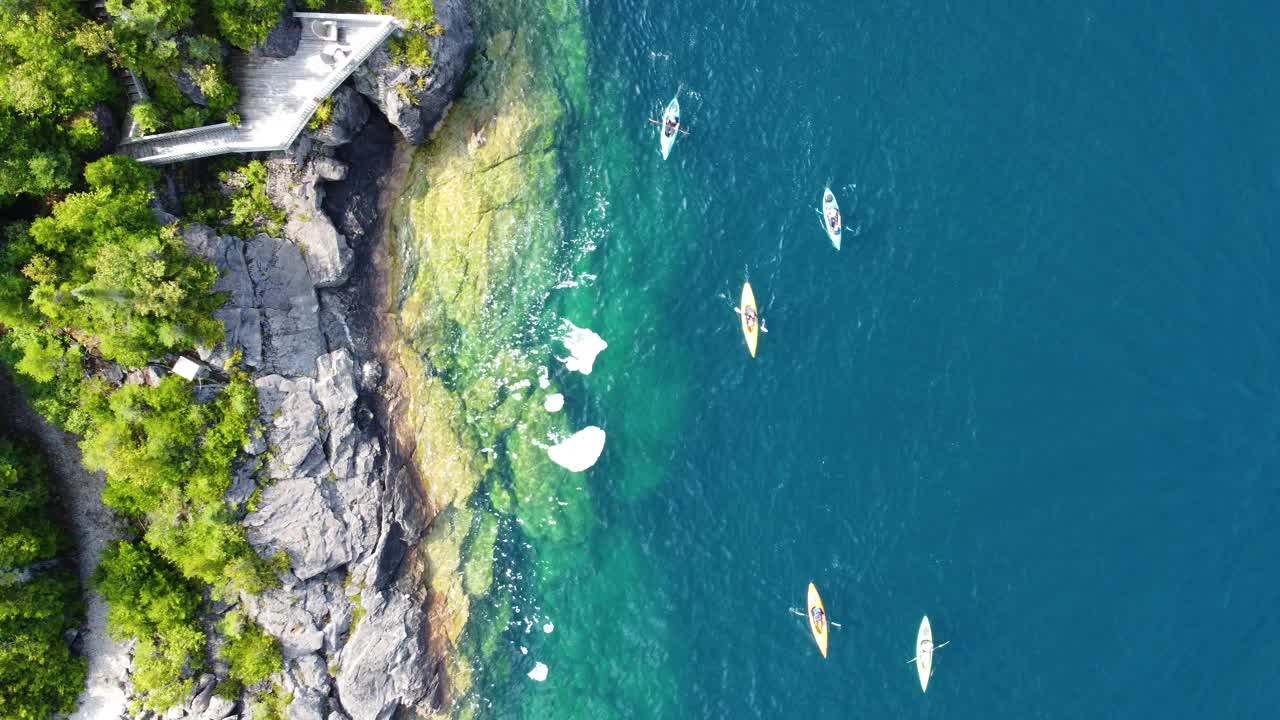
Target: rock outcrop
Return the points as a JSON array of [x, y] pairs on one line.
[[348, 115], [414, 98], [271, 311], [318, 484], [298, 189], [283, 38]]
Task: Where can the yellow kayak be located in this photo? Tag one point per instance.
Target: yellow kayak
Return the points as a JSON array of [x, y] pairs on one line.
[[820, 628], [924, 657], [750, 330]]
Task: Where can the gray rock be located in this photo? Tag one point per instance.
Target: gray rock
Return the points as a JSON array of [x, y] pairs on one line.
[[385, 665], [286, 298], [370, 375], [299, 191], [352, 203], [203, 695], [380, 78], [292, 420], [219, 709], [348, 117], [271, 313], [187, 86], [282, 40], [307, 705], [322, 509], [105, 120], [335, 389], [293, 615]]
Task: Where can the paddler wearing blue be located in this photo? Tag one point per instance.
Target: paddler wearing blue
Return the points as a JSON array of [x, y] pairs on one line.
[[751, 318]]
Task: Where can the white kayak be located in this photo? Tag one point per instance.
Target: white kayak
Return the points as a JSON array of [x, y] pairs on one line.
[[832, 222], [670, 127], [924, 657]]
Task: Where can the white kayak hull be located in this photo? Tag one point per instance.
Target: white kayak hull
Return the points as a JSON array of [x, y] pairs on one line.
[[828, 204], [665, 140], [924, 661]]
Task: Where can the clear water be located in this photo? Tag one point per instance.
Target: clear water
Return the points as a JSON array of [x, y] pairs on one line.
[[1036, 396]]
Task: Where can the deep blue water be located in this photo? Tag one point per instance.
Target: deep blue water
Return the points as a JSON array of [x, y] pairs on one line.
[[1036, 396]]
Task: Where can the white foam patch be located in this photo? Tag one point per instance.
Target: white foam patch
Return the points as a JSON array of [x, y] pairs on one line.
[[548, 628], [538, 673], [583, 346], [524, 650], [544, 379], [580, 451], [553, 403]]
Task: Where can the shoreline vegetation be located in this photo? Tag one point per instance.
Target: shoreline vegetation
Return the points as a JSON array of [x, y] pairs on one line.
[[100, 292]]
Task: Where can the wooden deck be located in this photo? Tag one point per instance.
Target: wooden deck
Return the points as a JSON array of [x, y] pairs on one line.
[[277, 95]]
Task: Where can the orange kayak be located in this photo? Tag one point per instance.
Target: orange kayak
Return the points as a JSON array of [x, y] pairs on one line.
[[752, 332], [819, 629]]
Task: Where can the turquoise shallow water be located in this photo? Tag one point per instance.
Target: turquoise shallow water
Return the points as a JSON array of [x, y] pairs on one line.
[[1034, 397]]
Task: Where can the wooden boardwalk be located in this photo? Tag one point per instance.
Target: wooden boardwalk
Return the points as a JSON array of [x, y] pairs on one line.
[[277, 95]]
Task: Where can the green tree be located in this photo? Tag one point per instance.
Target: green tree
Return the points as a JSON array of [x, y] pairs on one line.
[[104, 268], [252, 655], [45, 69], [245, 23], [149, 601], [38, 674]]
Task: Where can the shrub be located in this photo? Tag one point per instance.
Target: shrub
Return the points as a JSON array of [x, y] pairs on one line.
[[38, 674], [147, 117], [420, 13], [252, 654], [244, 23], [102, 266], [412, 49], [149, 601], [324, 111]]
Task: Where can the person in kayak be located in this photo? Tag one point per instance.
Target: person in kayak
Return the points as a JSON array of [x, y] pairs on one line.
[[833, 219], [926, 647], [751, 318], [819, 619], [670, 129]]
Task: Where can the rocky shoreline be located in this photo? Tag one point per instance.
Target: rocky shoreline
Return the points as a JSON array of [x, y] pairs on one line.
[[321, 483]]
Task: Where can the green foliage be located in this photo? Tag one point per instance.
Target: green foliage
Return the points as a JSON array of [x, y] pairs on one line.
[[103, 268], [83, 134], [147, 117], [420, 13], [26, 533], [52, 67], [412, 49], [323, 112], [251, 211], [151, 38], [244, 23], [234, 119], [251, 654], [148, 600], [38, 674], [160, 17], [168, 459], [35, 156], [271, 705], [44, 67]]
